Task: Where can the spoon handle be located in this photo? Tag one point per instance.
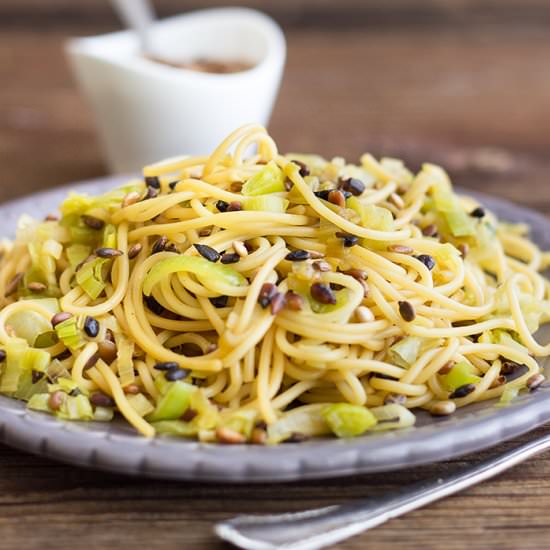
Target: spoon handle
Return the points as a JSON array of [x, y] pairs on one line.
[[312, 529], [139, 16]]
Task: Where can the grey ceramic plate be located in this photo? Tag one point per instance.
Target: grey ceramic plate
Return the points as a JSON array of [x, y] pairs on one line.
[[115, 447]]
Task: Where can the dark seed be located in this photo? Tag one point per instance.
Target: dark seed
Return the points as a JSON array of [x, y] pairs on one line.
[[294, 301], [358, 274], [134, 250], [91, 327], [230, 258], [60, 317], [323, 194], [93, 223], [65, 354], [296, 437], [337, 198], [172, 184], [277, 303], [159, 245], [427, 260], [535, 381], [261, 425], [101, 400], [151, 193], [176, 374], [322, 293], [430, 230], [406, 310], [348, 240], [512, 370], [166, 365], [477, 212], [267, 292], [222, 206], [189, 414], [109, 335], [107, 351], [108, 252], [297, 256], [304, 170], [153, 305], [2, 355], [92, 361], [36, 376], [152, 181], [347, 194], [12, 286], [219, 301], [353, 185], [462, 391], [234, 206], [208, 252]]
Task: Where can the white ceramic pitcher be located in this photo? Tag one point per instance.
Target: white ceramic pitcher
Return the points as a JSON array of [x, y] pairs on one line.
[[146, 111]]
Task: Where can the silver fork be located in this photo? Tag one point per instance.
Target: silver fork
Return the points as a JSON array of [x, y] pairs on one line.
[[312, 529]]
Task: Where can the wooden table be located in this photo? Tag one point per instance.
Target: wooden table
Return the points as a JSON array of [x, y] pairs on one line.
[[465, 86]]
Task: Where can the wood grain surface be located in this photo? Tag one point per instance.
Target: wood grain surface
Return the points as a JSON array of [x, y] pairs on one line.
[[461, 82]]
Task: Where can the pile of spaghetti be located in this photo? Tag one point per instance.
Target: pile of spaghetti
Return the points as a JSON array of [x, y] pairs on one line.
[[253, 297]]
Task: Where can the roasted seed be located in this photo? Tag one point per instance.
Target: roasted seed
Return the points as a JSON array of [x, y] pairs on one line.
[[427, 260], [258, 436], [477, 212], [407, 312], [36, 376], [205, 232], [297, 256], [153, 305], [166, 365], [277, 303], [347, 239], [240, 248], [152, 181], [91, 326], [100, 399], [229, 436], [353, 185], [2, 355], [131, 198], [321, 266], [134, 250], [323, 194], [322, 293], [267, 292], [91, 361], [430, 230], [107, 351], [234, 206], [446, 368], [108, 252], [443, 408], [172, 184], [219, 301], [208, 252], [171, 247], [92, 222], [56, 400], [12, 286], [533, 382], [364, 314], [159, 244], [397, 201], [132, 389], [462, 391], [230, 258], [356, 274], [222, 206], [65, 354], [35, 286], [294, 301], [337, 197], [236, 187], [400, 249], [60, 317], [176, 374], [304, 170]]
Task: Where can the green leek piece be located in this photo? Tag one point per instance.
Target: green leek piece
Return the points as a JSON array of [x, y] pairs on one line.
[[508, 395], [392, 417], [208, 415], [103, 414], [269, 179], [140, 404], [266, 203], [301, 286], [28, 325], [90, 277], [77, 253], [405, 352], [56, 371], [76, 408], [46, 339], [458, 220], [26, 388], [66, 385], [39, 402], [203, 269], [35, 359], [347, 420], [306, 420], [242, 422], [109, 236], [462, 373], [124, 363], [177, 428], [372, 216], [15, 349], [173, 403], [69, 333]]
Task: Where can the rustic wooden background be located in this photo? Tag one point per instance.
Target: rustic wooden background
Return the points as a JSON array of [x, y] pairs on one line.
[[461, 82]]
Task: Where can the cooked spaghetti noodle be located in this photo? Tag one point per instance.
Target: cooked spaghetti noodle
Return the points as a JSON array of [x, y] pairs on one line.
[[253, 297]]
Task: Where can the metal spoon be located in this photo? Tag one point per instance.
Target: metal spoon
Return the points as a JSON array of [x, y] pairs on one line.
[[139, 16], [322, 527]]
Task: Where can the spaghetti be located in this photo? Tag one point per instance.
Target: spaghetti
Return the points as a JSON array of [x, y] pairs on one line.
[[254, 297]]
